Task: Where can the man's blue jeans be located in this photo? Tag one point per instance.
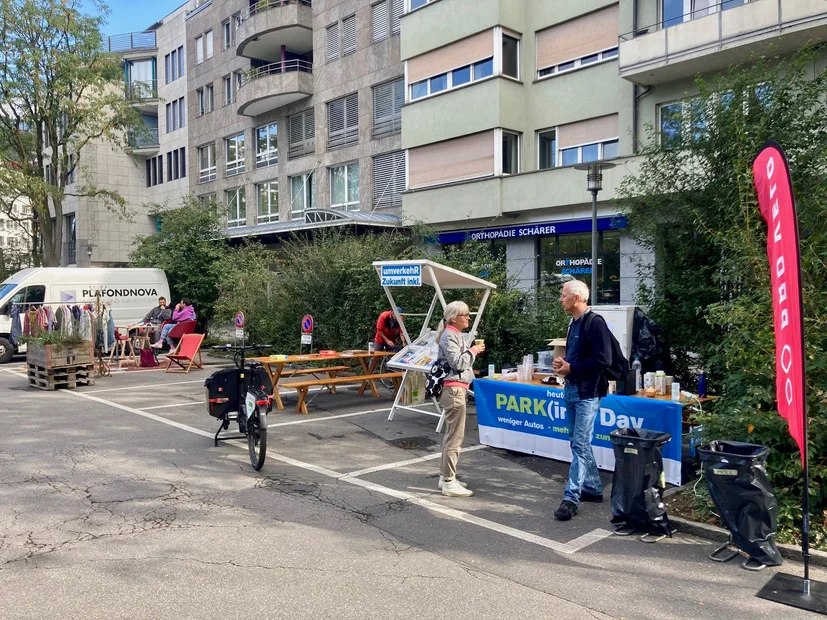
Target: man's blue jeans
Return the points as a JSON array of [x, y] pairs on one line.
[[583, 475]]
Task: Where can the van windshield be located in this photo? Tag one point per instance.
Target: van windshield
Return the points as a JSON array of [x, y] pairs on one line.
[[7, 288]]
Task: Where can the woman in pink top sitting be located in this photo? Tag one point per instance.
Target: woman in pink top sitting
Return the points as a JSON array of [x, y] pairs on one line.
[[183, 312]]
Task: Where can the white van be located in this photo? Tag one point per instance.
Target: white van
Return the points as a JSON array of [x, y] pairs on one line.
[[129, 293]]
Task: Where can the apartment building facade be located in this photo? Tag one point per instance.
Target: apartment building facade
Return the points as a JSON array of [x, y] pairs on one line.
[[152, 169], [295, 113], [552, 85]]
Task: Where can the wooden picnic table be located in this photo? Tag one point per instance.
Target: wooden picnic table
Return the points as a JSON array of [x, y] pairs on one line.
[[368, 361]]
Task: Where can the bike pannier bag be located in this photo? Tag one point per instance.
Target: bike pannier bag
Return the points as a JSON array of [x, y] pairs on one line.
[[222, 392]]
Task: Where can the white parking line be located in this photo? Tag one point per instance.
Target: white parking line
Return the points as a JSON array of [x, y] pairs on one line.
[[306, 420], [429, 457], [138, 387], [568, 548], [191, 402]]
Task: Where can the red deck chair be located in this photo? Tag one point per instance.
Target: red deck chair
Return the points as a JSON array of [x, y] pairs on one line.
[[184, 327], [188, 349]]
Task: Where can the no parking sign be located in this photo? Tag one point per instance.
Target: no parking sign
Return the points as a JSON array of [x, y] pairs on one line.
[[307, 330]]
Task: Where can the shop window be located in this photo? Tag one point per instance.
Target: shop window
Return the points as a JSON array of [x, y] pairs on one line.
[[566, 256]]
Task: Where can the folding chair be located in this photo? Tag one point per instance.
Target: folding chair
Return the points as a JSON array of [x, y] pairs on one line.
[[188, 349]]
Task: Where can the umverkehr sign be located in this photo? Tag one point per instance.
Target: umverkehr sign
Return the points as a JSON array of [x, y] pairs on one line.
[[534, 229], [401, 275]]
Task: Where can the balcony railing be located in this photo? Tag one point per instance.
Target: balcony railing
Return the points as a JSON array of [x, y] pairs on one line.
[[138, 91], [288, 66], [266, 5], [698, 11], [130, 41], [145, 137]]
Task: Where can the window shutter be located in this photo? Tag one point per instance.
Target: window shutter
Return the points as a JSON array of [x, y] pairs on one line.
[[388, 100], [335, 120], [333, 42], [302, 133], [397, 10], [380, 21], [388, 179], [349, 35]]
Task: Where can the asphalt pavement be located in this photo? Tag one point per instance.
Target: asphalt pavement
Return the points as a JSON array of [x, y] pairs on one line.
[[114, 503]]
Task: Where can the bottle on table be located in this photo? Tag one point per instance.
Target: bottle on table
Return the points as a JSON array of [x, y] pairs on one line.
[[637, 367], [702, 385]]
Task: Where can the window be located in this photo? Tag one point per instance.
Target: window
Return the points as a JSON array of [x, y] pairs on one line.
[[201, 106], [547, 146], [580, 42], [267, 151], [199, 50], [182, 155], [71, 238], [453, 79], [333, 42], [388, 100], [167, 69], [228, 90], [236, 208], [569, 254], [181, 62], [348, 35], [302, 129], [155, 171], [174, 64], [510, 153], [174, 115], [268, 202], [344, 187], [176, 165], [169, 166], [238, 79], [206, 163], [588, 153], [70, 174], [343, 122], [227, 34], [388, 179], [302, 194], [684, 118], [208, 43], [182, 113], [208, 98], [511, 57], [235, 154], [415, 4], [385, 17]]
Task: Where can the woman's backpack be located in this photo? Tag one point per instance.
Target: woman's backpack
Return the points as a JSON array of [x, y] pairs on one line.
[[435, 379]]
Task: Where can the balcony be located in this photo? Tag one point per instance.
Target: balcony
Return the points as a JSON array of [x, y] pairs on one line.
[[143, 141], [130, 42], [717, 36], [275, 85], [270, 25], [142, 94]]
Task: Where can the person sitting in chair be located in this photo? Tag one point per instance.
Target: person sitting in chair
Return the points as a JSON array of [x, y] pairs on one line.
[[156, 316], [183, 312]]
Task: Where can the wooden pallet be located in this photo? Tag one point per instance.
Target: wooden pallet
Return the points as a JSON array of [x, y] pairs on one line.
[[67, 378]]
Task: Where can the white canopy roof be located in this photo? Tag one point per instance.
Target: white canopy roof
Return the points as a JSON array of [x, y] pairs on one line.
[[434, 272]]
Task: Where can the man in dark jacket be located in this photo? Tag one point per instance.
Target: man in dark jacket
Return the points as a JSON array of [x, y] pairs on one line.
[[160, 313], [588, 355]]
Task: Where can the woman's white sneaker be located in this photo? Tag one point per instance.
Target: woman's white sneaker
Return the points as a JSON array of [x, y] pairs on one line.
[[441, 482], [453, 488]]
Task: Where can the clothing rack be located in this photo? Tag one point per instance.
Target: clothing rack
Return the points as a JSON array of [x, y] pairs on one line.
[[91, 321]]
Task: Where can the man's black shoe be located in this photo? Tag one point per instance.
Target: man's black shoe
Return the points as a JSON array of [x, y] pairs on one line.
[[591, 497], [566, 511]]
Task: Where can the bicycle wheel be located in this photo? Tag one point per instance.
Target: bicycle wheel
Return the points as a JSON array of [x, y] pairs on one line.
[[257, 437], [383, 368]]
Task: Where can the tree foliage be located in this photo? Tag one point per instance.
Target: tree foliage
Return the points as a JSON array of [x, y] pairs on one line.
[[191, 249], [60, 93], [694, 203]]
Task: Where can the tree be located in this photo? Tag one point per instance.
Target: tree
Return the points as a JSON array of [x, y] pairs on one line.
[[60, 92], [693, 202], [190, 248]]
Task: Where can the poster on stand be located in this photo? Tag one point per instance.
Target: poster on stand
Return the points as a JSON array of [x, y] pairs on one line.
[[421, 354]]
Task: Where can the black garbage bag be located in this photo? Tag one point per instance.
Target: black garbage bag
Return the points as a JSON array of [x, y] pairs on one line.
[[637, 484], [743, 495], [646, 341]]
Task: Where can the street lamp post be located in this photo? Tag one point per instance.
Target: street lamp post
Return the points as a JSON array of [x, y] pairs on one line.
[[594, 183]]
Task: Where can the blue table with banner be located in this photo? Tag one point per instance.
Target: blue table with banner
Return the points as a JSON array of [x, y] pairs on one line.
[[531, 418]]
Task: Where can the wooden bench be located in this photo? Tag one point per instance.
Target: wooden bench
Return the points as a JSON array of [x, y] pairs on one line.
[[331, 371], [303, 387]]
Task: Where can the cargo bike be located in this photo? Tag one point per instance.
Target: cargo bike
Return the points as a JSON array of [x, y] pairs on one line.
[[243, 394]]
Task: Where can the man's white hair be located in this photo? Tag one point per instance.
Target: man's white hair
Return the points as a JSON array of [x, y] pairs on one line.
[[578, 288]]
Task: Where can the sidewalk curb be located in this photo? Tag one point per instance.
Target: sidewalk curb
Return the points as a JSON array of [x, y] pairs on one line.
[[720, 535]]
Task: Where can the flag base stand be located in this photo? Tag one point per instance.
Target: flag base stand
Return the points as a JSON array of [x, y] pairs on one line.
[[789, 590]]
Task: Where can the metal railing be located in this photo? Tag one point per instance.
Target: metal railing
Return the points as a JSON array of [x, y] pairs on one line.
[[144, 137], [695, 13], [137, 91], [129, 41], [266, 5], [288, 66]]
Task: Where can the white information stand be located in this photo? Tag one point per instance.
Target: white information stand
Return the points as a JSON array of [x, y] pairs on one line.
[[420, 354]]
